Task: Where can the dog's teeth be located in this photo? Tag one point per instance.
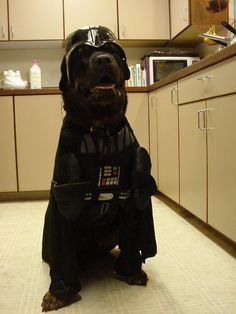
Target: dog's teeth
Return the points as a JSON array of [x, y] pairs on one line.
[[104, 86]]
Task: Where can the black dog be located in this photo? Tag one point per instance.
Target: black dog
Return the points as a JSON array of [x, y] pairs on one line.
[[101, 188]]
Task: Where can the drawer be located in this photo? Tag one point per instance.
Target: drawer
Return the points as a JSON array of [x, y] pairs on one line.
[[213, 81]]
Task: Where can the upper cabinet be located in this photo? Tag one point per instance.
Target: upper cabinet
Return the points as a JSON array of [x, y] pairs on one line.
[[188, 18], [3, 20], [179, 16], [85, 12], [35, 20], [143, 19], [128, 19]]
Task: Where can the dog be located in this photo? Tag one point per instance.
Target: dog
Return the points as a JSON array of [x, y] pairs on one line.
[[101, 189]]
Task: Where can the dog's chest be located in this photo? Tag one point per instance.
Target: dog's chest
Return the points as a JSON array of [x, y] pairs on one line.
[[107, 160]]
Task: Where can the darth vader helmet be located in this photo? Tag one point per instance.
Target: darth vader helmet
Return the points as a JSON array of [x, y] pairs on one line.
[[96, 36]]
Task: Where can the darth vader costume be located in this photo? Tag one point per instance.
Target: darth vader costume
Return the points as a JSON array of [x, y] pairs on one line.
[[101, 189]]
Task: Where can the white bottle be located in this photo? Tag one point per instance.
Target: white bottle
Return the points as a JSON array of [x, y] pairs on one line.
[[35, 76]]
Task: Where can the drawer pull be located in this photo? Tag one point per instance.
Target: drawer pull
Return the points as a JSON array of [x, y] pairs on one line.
[[205, 77], [199, 114]]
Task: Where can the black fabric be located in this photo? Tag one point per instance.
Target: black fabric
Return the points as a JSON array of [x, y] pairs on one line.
[[77, 215]]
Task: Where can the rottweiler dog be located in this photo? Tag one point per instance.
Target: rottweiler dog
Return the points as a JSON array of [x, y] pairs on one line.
[[101, 189]]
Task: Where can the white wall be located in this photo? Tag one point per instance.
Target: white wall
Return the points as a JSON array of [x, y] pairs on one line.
[[49, 61], [21, 59]]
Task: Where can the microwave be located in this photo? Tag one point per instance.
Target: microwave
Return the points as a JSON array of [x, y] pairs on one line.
[[158, 67]]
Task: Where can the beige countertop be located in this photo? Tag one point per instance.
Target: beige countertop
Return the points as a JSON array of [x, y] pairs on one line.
[[202, 64]]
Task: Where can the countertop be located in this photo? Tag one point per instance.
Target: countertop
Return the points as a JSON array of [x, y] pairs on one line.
[[212, 59]]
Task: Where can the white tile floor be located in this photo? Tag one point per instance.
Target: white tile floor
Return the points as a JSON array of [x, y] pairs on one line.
[[192, 273]]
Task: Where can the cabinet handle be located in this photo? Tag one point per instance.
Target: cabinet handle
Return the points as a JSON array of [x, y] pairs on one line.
[[3, 31], [154, 102], [173, 95], [123, 30], [206, 119], [205, 77], [185, 16], [203, 113], [12, 31]]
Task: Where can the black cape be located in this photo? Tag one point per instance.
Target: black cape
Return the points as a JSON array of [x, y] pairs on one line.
[[101, 182]]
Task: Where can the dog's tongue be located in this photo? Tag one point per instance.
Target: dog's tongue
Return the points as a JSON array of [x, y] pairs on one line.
[[104, 86]]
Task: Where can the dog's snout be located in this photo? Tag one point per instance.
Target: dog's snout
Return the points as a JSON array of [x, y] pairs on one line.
[[102, 59]]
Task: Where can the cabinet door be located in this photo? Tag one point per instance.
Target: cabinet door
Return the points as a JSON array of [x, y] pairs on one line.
[[38, 121], [193, 175], [8, 179], [3, 20], [143, 19], [222, 165], [86, 12], [32, 20], [168, 151], [179, 16], [209, 82], [153, 133], [137, 115]]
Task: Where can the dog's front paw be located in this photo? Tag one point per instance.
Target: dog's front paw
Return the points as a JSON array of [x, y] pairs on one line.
[[139, 279], [51, 302]]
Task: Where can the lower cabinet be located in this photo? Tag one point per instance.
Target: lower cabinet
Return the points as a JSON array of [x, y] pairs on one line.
[[193, 154], [137, 115], [222, 164], [168, 147], [38, 122], [207, 161], [8, 176], [152, 102]]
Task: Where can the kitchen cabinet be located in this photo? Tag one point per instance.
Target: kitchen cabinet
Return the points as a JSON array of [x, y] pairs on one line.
[[38, 122], [207, 161], [208, 82], [35, 20], [3, 20], [207, 146], [188, 18], [152, 102], [193, 154], [168, 144], [8, 177], [221, 164], [86, 12], [143, 19], [179, 16], [137, 115]]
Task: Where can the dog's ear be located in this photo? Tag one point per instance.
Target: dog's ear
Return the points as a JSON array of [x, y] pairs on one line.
[[127, 72], [64, 82]]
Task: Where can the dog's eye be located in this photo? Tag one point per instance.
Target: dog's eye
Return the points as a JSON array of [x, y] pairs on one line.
[[113, 49]]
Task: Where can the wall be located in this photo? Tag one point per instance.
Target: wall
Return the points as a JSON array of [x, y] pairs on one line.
[[49, 60], [21, 59]]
